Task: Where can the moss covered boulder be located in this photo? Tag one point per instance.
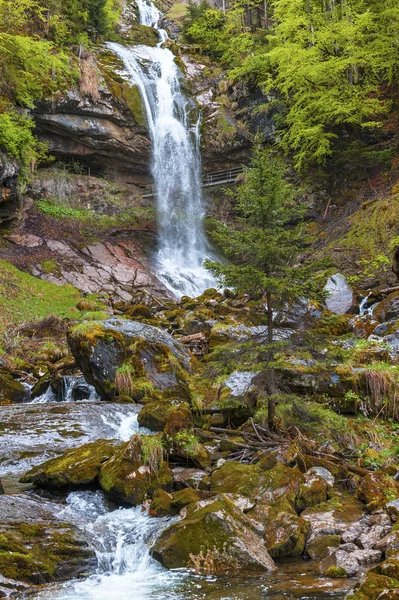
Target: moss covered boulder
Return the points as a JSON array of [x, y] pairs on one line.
[[184, 497], [214, 537], [134, 473], [76, 467], [11, 390], [285, 532], [377, 489], [35, 547], [185, 445], [154, 415], [320, 547], [375, 587], [161, 504], [236, 478], [312, 492], [280, 482], [128, 358]]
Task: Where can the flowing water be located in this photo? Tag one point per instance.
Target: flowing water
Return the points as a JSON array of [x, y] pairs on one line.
[[173, 124]]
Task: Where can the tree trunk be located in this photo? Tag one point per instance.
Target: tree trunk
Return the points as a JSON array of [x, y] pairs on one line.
[[269, 318], [271, 412]]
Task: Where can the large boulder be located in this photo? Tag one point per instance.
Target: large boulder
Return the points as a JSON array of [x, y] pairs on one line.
[[11, 390], [214, 537], [341, 299], [134, 473], [37, 547], [388, 309], [76, 467], [236, 478], [127, 358], [377, 489]]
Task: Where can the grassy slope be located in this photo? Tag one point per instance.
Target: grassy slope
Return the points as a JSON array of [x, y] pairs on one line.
[[26, 298]]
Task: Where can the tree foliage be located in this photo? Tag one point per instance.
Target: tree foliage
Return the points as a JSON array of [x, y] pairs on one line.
[[264, 245], [333, 63]]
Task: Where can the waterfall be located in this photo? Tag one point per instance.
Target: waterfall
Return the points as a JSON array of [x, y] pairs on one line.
[[176, 162]]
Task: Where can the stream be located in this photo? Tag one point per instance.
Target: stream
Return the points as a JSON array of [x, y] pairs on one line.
[[121, 537]]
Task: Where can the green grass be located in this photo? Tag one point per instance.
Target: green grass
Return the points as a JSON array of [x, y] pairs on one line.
[[86, 216], [26, 298]]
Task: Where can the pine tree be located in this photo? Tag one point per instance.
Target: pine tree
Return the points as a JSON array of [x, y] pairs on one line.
[[264, 245]]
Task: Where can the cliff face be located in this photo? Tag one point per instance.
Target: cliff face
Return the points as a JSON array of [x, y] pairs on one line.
[[9, 196]]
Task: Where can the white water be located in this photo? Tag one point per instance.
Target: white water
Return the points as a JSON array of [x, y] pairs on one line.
[[176, 162]]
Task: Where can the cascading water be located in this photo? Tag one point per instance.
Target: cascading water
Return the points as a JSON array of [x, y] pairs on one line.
[[176, 161]]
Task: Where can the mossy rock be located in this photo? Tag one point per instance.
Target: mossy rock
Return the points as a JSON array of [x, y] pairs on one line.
[[154, 415], [178, 419], [42, 551], [236, 478], [127, 479], [311, 493], [373, 586], [280, 482], [161, 504], [11, 391], [319, 547], [389, 568], [376, 489], [184, 497], [129, 358], [75, 468], [214, 537], [285, 533]]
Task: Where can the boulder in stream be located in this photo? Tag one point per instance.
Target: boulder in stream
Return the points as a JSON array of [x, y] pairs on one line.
[[128, 358], [341, 299], [213, 537], [134, 473], [76, 467]]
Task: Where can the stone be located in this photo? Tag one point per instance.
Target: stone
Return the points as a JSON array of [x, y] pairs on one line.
[[321, 472], [367, 556], [183, 498], [334, 518], [341, 299], [322, 546], [134, 473], [127, 357], [154, 415], [388, 309], [36, 547], [161, 504], [214, 537], [191, 477], [371, 536], [25, 239], [341, 560], [75, 468], [285, 533]]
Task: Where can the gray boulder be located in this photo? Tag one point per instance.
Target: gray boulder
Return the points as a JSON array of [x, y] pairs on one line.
[[341, 299]]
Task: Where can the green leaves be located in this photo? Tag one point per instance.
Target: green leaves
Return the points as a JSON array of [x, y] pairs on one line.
[[264, 244]]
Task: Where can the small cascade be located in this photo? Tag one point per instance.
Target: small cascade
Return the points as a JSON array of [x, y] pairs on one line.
[[71, 389], [173, 124]]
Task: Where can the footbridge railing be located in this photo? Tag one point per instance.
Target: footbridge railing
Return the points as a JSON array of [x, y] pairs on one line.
[[208, 180]]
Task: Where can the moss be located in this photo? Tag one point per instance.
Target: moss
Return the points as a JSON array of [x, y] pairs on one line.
[[161, 504], [335, 572], [76, 467], [179, 418], [237, 478], [40, 552], [183, 498], [317, 549], [10, 389], [376, 489]]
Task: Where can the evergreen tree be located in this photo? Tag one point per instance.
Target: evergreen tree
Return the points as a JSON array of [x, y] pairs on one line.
[[264, 245]]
